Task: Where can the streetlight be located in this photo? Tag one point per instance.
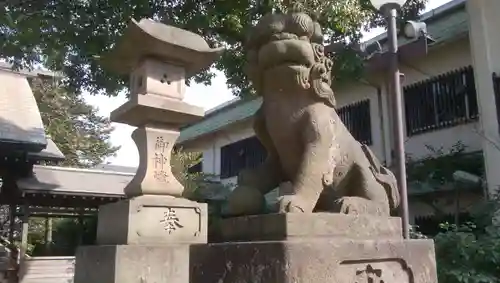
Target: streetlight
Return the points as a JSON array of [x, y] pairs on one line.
[[389, 8], [412, 30]]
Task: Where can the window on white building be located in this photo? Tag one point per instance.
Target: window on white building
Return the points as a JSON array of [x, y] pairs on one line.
[[440, 102], [356, 117], [247, 153]]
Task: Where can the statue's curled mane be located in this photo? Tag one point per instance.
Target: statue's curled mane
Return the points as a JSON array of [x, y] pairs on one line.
[[301, 34]]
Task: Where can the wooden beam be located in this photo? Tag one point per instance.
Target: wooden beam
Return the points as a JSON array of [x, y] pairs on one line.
[[60, 215], [24, 240], [60, 201]]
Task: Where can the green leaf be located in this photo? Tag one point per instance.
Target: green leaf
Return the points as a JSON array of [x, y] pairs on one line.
[[67, 35]]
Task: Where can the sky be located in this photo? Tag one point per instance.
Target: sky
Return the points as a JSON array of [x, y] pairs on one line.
[[200, 95]]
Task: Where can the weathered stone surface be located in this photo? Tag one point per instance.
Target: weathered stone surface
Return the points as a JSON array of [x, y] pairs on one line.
[[318, 261], [308, 146], [308, 225], [155, 109], [154, 175], [164, 43], [158, 78], [152, 220], [132, 264]]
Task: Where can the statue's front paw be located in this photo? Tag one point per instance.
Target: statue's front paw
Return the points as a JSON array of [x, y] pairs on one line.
[[357, 206], [248, 176], [290, 204], [245, 200], [349, 205]]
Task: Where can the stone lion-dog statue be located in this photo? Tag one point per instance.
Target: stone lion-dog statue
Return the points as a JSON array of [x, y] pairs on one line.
[[311, 155]]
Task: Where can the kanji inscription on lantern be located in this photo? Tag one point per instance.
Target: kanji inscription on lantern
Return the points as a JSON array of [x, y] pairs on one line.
[[161, 144], [171, 221], [369, 275], [160, 160], [160, 176]]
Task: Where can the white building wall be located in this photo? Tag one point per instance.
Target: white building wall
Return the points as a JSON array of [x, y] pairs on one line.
[[211, 147], [359, 92], [484, 24], [441, 60]]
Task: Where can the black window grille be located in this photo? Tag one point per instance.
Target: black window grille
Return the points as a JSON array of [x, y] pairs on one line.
[[247, 153], [496, 88], [441, 102], [356, 118]]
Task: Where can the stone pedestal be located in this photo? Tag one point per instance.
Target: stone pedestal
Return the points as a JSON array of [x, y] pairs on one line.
[[316, 248], [152, 220], [132, 264], [158, 120], [143, 238]]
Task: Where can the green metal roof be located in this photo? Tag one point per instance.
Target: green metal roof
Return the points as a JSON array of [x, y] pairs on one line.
[[445, 23], [238, 111]]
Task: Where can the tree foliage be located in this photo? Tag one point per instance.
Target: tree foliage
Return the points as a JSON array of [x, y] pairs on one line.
[[67, 35], [80, 133], [181, 162], [199, 186], [438, 166], [470, 253]]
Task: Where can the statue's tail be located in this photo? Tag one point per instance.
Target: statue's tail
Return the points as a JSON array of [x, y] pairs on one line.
[[384, 176]]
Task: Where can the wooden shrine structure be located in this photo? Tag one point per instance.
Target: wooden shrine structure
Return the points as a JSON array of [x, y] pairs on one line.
[[29, 188]]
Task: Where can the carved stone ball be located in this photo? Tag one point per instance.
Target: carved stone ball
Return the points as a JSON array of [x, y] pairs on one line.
[[246, 200]]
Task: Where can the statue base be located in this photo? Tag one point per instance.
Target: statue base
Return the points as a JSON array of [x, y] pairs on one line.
[[319, 248], [152, 220], [315, 260], [143, 239], [132, 264], [288, 226]]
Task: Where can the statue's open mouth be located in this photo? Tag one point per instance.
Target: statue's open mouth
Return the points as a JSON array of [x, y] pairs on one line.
[[285, 49]]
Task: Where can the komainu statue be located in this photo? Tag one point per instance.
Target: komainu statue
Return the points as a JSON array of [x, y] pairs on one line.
[[312, 157]]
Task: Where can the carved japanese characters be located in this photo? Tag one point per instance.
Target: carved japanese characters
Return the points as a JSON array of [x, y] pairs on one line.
[[171, 221], [369, 275], [310, 151], [161, 160]]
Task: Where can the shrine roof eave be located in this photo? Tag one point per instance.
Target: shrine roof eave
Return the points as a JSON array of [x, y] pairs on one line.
[[75, 182], [41, 199], [50, 153]]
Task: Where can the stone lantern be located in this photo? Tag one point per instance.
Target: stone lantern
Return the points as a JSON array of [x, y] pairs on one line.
[[149, 233], [158, 58]]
